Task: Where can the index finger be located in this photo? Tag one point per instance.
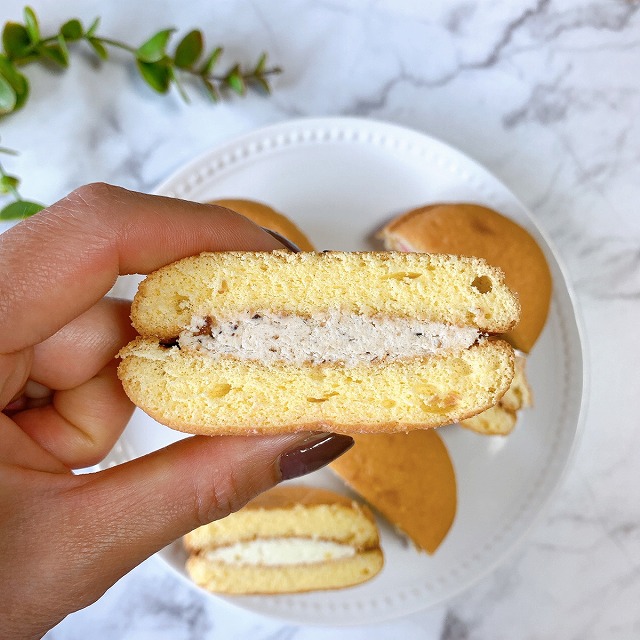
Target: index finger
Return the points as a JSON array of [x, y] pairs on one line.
[[61, 261]]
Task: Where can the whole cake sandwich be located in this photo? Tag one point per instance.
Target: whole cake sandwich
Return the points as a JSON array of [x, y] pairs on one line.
[[290, 539], [409, 478], [271, 342]]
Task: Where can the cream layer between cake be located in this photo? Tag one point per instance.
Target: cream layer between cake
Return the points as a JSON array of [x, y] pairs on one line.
[[332, 337], [281, 552]]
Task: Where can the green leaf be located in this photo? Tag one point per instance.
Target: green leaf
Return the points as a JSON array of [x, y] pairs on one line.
[[20, 209], [235, 81], [15, 40], [32, 24], [54, 53], [9, 70], [64, 49], [156, 74], [99, 48], [154, 49], [211, 90], [22, 94], [210, 62], [260, 65], [189, 49], [8, 184], [91, 31], [71, 30], [8, 97], [17, 81]]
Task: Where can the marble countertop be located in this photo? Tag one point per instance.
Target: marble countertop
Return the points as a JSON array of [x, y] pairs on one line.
[[546, 95]]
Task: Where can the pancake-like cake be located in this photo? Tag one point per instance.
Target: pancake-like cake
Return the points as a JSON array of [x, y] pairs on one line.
[[409, 478], [473, 230], [267, 217], [289, 539], [274, 342]]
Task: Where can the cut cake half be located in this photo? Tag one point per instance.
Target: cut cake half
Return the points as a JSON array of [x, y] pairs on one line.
[[263, 342]]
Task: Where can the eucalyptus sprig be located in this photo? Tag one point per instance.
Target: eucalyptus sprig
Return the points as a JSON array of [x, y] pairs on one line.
[[23, 43]]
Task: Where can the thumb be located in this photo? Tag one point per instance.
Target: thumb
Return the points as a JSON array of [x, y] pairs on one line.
[[126, 513]]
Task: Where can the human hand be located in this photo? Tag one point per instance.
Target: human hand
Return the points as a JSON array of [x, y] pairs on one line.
[[67, 538]]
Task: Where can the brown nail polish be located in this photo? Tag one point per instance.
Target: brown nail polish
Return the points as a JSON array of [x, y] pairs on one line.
[[312, 454], [285, 241]]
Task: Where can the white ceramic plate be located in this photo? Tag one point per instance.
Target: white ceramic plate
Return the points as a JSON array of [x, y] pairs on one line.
[[340, 179]]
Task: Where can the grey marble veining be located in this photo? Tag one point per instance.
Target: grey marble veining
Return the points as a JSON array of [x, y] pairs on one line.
[[546, 95]]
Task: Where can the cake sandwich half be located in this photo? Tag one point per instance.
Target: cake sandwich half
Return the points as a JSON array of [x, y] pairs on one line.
[[290, 539], [274, 342]]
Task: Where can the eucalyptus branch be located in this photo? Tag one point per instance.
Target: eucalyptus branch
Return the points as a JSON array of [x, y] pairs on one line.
[[160, 69]]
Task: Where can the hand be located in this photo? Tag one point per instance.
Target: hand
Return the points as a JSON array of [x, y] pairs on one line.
[[67, 538]]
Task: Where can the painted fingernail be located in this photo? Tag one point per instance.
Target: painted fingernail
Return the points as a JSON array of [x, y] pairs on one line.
[[313, 453], [286, 242]]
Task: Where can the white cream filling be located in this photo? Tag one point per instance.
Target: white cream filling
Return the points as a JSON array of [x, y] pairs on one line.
[[332, 337], [280, 551]]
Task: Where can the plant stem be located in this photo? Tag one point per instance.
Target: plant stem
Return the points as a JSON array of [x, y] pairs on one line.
[[115, 43], [246, 76], [49, 40]]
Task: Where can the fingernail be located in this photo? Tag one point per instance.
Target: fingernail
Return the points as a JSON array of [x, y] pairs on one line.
[[313, 453], [286, 242]]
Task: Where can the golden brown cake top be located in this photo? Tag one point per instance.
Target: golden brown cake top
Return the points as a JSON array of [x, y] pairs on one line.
[[409, 478], [267, 217], [287, 496]]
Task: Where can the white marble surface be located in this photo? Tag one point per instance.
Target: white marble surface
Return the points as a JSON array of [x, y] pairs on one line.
[[545, 94]]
